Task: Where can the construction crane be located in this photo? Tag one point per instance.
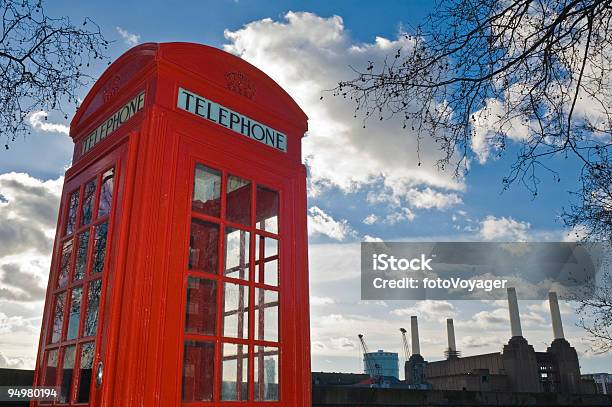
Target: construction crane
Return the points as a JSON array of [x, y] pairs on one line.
[[372, 370], [405, 343]]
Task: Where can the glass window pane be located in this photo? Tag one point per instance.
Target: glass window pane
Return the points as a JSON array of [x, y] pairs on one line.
[[266, 374], [106, 193], [198, 371], [204, 246], [236, 307], [237, 253], [267, 210], [86, 364], [238, 203], [93, 303], [51, 368], [266, 315], [234, 372], [66, 376], [81, 256], [99, 252], [201, 306], [65, 262], [266, 256], [72, 212], [89, 193], [207, 191], [75, 313], [58, 318]]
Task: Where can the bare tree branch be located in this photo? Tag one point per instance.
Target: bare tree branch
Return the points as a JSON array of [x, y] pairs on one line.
[[42, 62]]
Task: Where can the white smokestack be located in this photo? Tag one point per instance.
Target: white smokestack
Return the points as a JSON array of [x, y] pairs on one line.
[[555, 315], [515, 320], [450, 329], [414, 329]]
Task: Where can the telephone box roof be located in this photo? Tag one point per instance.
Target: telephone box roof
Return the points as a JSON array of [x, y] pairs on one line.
[[209, 64]]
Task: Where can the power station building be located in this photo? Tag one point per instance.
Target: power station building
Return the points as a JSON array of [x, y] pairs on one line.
[[517, 368]]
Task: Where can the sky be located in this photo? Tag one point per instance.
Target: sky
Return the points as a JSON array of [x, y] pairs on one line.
[[364, 183]]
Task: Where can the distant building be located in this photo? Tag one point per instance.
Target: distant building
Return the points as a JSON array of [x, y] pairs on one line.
[[518, 368], [381, 363], [603, 382]]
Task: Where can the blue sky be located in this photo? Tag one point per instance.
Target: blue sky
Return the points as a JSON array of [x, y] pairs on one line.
[[364, 183]]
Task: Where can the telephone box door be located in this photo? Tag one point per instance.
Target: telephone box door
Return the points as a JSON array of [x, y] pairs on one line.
[[73, 339], [230, 284]]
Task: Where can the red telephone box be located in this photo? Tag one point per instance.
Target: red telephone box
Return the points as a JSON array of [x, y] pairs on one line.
[[179, 272]]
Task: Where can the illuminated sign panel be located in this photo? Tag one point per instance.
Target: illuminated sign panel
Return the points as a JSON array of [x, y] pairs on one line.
[[234, 121]]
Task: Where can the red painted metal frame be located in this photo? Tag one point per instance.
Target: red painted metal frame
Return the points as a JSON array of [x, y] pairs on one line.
[[141, 328]]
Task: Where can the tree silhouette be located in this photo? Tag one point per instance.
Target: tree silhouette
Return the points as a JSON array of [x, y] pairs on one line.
[[42, 62]]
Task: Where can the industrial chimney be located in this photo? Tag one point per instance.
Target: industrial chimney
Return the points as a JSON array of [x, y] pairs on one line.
[[515, 320], [555, 316], [414, 330], [450, 329], [451, 351]]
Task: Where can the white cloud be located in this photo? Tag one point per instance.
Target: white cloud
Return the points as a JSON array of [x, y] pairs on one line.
[[370, 219], [403, 214], [320, 223], [38, 121], [368, 238], [128, 37], [431, 310], [428, 198], [492, 228], [491, 121], [499, 318], [319, 301], [343, 343], [7, 362], [28, 215], [307, 54]]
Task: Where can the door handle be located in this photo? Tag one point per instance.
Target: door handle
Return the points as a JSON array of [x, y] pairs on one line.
[[99, 374]]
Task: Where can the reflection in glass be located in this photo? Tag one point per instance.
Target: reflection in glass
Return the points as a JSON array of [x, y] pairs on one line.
[[81, 256], [266, 374], [64, 271], [234, 372], [89, 193], [266, 315], [51, 368], [106, 193], [75, 313], [72, 212], [201, 306], [58, 318], [207, 191], [93, 303], [86, 364], [99, 251], [238, 202], [66, 376], [266, 208], [203, 246], [235, 315], [266, 257], [198, 371], [237, 253]]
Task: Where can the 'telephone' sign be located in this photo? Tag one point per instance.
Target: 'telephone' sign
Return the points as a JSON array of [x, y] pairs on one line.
[[111, 124], [234, 121]]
